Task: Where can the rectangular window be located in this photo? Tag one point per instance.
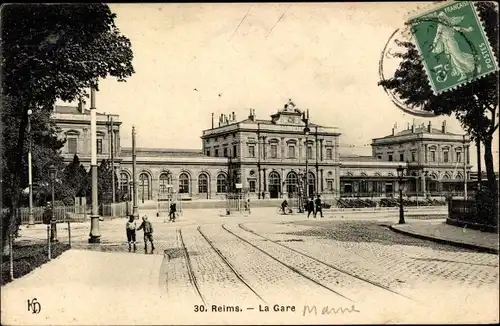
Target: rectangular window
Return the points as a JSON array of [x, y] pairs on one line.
[[329, 154], [390, 157], [72, 146], [401, 157], [329, 185], [99, 146], [225, 152], [433, 156], [274, 151], [291, 151], [459, 157], [216, 153], [208, 152], [234, 151], [251, 151], [251, 184], [309, 152], [445, 157], [413, 156]]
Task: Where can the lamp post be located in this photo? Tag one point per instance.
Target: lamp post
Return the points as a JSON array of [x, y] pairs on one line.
[[95, 235], [31, 219], [135, 211], [53, 222], [306, 133], [400, 171]]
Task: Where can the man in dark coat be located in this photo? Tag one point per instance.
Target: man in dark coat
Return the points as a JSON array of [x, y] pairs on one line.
[[319, 208]]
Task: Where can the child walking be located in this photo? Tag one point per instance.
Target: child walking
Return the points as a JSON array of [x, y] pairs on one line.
[[148, 233], [130, 227]]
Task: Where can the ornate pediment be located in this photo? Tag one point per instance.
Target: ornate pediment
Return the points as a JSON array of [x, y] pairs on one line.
[[290, 114]]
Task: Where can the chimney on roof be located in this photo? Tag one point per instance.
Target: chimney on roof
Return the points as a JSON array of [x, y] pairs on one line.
[[443, 127], [81, 107], [395, 129], [408, 126], [212, 120], [413, 127], [234, 117], [252, 115], [429, 127]]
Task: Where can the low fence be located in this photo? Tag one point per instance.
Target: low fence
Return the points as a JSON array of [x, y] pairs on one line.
[[116, 209], [73, 213], [465, 213]]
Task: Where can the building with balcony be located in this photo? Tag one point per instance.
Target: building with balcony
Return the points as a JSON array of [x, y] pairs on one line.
[[268, 158], [437, 160]]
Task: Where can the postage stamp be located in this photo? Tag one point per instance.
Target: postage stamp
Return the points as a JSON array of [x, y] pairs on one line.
[[453, 45]]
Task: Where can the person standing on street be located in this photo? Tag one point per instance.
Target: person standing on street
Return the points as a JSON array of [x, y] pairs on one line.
[[318, 205], [130, 228], [148, 233], [310, 207], [173, 211]]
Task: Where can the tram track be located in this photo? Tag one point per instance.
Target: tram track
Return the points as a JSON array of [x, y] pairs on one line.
[[377, 285], [192, 276], [228, 264], [291, 268]]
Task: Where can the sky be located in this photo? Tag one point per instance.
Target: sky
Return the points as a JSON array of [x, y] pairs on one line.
[[323, 56]]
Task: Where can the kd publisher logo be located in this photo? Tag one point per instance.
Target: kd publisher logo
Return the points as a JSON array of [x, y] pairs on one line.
[[34, 306]]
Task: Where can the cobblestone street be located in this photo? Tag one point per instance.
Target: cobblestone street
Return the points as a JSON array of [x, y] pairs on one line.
[[252, 263], [290, 260]]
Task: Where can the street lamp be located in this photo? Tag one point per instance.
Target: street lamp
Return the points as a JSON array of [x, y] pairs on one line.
[[400, 171], [31, 218], [306, 133], [53, 222]]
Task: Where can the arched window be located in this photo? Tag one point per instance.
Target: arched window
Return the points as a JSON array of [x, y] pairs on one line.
[[291, 183], [184, 183], [274, 184], [124, 185], [165, 180], [311, 183], [144, 187], [203, 184], [221, 183]]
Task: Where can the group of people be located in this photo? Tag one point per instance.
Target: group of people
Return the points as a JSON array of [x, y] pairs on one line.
[[131, 228], [311, 205]]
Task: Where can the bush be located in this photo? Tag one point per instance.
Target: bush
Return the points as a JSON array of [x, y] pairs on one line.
[[487, 205], [28, 257]]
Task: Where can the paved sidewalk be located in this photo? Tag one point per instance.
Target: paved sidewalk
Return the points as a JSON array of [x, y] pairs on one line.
[[456, 236], [86, 287]]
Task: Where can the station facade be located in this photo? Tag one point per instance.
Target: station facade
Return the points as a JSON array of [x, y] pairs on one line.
[[268, 158]]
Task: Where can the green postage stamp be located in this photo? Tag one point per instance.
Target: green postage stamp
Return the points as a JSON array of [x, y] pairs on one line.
[[453, 45]]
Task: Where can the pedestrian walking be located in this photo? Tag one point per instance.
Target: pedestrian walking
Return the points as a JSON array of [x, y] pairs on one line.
[[319, 207], [247, 206], [148, 233], [130, 228], [172, 213], [310, 207]]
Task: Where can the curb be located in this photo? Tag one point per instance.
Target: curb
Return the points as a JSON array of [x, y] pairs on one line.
[[447, 242]]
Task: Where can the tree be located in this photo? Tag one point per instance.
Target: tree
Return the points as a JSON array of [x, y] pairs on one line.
[[45, 150], [104, 183], [50, 52], [75, 177], [475, 104]]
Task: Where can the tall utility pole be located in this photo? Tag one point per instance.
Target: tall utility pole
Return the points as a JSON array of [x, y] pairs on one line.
[[112, 164], [31, 219], [465, 168], [479, 176], [95, 236], [306, 133], [134, 182]]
